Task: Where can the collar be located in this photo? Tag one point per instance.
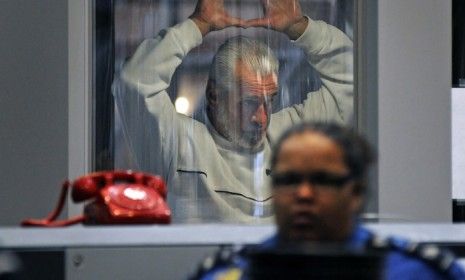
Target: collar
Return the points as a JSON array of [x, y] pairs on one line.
[[359, 237], [356, 240]]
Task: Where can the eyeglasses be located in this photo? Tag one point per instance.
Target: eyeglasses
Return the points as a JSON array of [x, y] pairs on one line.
[[318, 179]]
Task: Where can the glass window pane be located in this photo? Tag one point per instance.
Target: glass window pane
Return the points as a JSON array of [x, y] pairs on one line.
[[204, 112]]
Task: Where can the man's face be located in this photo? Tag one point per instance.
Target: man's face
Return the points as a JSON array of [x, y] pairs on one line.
[[248, 108], [322, 206]]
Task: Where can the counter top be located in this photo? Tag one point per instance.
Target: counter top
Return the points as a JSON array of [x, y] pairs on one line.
[[80, 236]]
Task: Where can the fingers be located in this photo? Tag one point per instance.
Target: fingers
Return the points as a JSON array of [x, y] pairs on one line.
[[258, 22], [234, 21]]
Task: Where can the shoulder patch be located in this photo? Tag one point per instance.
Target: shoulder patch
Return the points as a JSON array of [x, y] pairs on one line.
[[230, 274], [438, 258]]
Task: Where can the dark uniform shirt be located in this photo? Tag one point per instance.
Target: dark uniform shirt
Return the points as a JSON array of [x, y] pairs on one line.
[[404, 260]]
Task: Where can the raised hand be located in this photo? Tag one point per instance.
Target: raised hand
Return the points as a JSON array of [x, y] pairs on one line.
[[210, 15], [281, 15]]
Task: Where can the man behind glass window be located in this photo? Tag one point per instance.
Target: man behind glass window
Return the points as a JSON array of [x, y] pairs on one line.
[[216, 170], [319, 183]]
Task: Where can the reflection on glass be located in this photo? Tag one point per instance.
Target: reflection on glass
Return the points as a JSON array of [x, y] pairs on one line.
[[201, 102]]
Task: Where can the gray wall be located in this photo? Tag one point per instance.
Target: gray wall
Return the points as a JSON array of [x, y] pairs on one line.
[[414, 122], [33, 106]]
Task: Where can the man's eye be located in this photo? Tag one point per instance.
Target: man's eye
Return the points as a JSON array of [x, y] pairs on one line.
[[318, 179], [249, 104], [328, 180], [287, 179]]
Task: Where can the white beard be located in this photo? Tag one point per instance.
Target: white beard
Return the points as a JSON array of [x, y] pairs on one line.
[[234, 135]]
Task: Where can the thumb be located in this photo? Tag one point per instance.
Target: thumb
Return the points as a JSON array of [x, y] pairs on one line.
[[258, 22], [234, 21]]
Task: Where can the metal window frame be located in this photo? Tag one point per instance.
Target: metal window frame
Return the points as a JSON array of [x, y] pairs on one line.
[[85, 127]]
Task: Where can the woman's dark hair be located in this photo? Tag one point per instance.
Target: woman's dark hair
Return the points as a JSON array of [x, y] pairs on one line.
[[358, 154]]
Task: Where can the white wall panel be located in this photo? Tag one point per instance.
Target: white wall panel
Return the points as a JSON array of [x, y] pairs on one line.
[[414, 117], [458, 143]]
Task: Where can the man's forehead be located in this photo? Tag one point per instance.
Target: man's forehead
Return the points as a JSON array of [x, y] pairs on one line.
[[254, 83], [310, 150]]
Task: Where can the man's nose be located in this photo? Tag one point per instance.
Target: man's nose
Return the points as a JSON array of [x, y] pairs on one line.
[[261, 115], [305, 190]]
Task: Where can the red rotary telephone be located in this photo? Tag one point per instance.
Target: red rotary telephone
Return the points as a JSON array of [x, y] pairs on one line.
[[120, 197]]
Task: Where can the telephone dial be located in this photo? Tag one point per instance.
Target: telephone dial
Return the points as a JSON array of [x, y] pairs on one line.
[[118, 197]]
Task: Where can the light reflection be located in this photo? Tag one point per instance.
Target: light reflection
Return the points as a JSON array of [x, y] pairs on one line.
[[182, 105]]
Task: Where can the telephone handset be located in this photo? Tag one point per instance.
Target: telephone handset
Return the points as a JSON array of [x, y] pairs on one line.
[[119, 197]]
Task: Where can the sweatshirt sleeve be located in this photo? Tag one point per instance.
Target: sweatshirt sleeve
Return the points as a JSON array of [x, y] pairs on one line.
[[330, 52], [149, 120]]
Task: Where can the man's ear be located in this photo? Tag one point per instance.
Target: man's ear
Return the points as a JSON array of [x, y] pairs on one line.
[[212, 94], [357, 203], [358, 198]]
